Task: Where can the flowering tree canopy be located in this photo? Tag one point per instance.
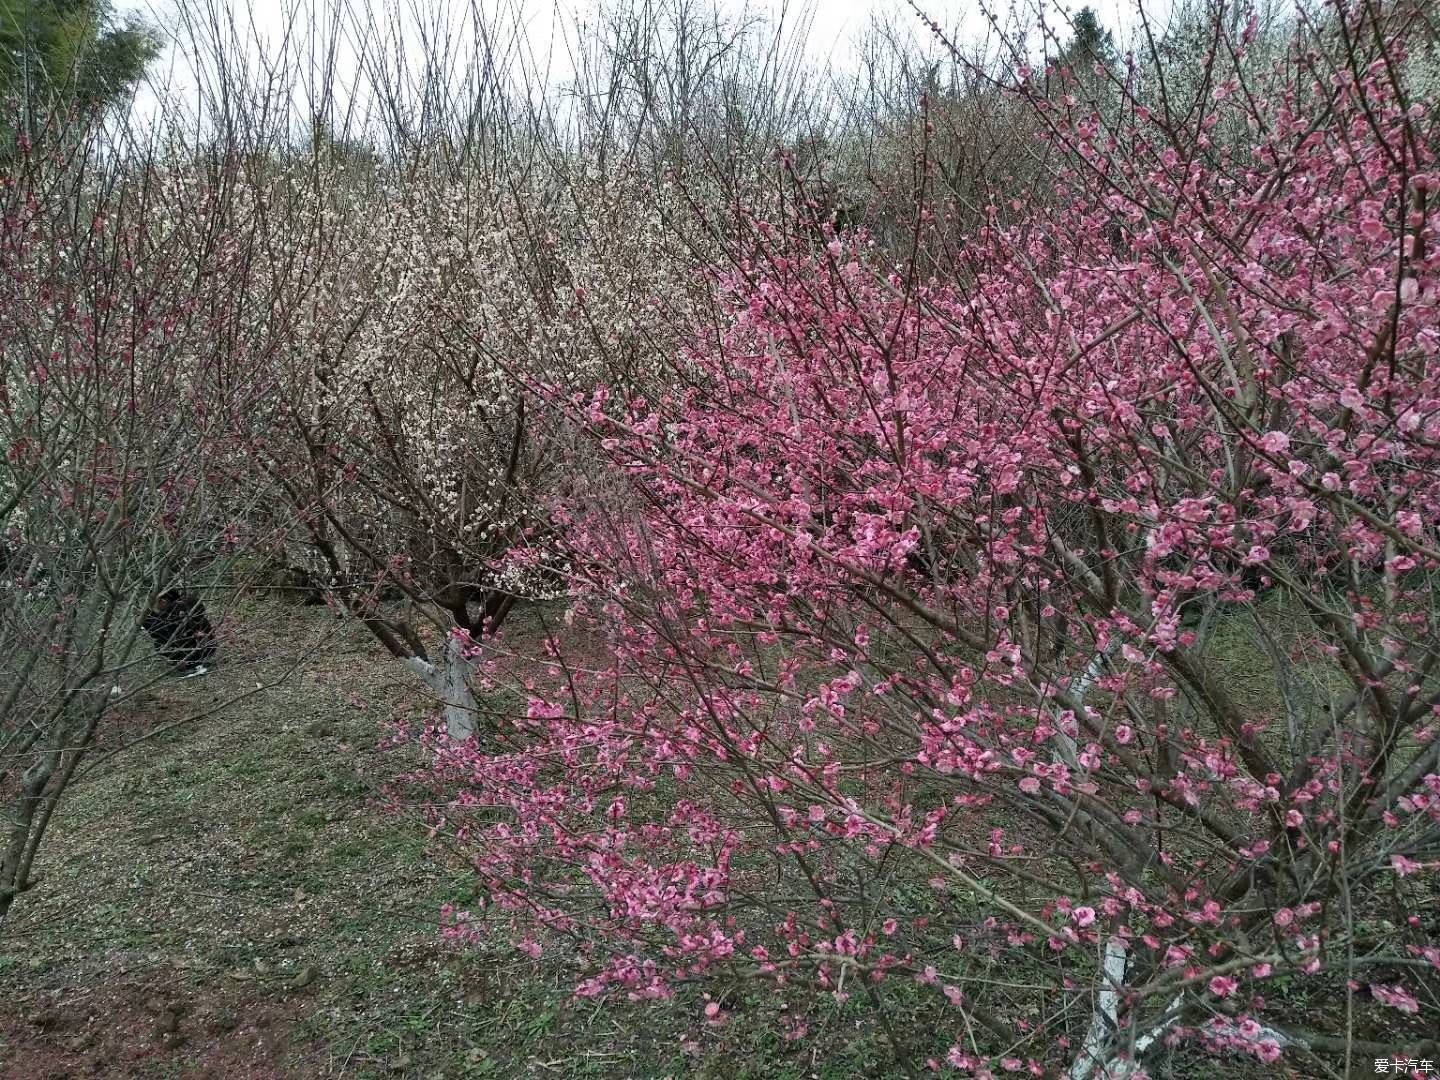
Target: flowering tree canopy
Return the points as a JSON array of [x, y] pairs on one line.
[[117, 391], [407, 342], [1058, 636]]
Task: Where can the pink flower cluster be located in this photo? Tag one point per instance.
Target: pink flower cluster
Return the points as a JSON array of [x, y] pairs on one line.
[[910, 605]]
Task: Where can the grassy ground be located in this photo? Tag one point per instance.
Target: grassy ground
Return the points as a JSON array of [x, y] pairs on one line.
[[236, 897], [232, 898]]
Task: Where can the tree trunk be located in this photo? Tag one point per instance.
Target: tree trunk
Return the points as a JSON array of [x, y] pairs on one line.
[[449, 680]]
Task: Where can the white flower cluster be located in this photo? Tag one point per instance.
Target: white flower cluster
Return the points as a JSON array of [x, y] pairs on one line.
[[412, 317]]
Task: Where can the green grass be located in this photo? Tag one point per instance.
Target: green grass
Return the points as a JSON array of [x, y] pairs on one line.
[[249, 864], [221, 863]]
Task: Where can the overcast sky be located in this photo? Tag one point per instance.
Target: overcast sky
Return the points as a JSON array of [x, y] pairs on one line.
[[834, 27]]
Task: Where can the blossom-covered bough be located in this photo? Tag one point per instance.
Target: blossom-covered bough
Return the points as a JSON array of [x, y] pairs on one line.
[[1052, 643], [427, 305], [117, 389]]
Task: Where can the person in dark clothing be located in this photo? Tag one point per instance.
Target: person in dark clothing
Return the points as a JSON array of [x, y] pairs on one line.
[[182, 634]]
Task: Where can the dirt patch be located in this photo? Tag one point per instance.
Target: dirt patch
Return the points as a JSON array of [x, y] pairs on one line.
[[142, 1027]]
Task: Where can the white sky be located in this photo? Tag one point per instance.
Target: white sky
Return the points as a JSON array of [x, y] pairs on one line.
[[834, 27]]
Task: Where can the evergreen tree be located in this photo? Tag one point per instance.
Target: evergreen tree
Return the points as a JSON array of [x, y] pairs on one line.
[[70, 56], [1091, 44]]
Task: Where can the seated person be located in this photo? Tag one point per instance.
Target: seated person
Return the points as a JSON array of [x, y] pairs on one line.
[[182, 634]]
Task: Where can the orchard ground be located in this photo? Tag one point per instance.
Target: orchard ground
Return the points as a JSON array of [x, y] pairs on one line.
[[235, 897]]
